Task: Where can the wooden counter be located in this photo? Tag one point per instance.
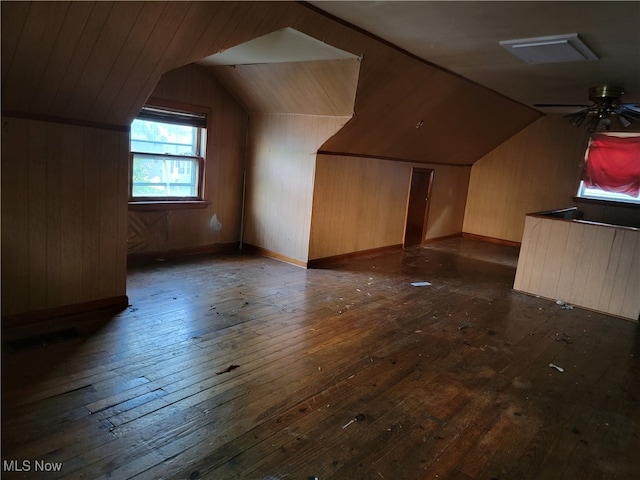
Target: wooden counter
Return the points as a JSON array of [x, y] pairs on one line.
[[587, 264]]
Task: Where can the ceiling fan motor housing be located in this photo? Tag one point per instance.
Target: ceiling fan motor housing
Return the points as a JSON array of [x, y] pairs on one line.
[[606, 94]]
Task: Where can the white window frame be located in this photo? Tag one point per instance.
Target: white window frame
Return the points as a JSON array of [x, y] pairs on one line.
[[177, 115]]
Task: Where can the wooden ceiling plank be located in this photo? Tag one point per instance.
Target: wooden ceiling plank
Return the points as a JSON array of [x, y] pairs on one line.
[[194, 25], [265, 17], [41, 29], [60, 57], [14, 17], [325, 87], [199, 48], [231, 15], [239, 90], [126, 61], [194, 22], [142, 73], [106, 51], [90, 31]]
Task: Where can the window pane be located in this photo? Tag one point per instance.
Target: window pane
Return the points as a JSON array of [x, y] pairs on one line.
[[158, 176], [612, 170], [166, 138]]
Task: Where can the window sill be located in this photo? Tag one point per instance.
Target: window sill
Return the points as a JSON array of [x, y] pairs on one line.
[[168, 205]]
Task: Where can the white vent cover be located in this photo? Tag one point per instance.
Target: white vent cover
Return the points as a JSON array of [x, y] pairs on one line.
[[552, 49]]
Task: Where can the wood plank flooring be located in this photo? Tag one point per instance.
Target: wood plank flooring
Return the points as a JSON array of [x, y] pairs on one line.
[[242, 367]]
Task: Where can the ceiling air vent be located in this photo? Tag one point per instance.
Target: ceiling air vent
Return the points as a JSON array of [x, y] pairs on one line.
[[552, 49]]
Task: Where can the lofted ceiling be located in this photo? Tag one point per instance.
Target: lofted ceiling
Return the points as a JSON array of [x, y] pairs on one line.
[[98, 62], [463, 37]]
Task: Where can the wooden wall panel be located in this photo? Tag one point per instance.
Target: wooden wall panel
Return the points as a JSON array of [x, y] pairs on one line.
[[360, 204], [15, 216], [448, 200], [226, 134], [280, 174], [586, 264], [63, 215], [535, 170], [148, 232]]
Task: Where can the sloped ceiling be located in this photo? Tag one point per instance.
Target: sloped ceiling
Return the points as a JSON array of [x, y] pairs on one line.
[[287, 71], [307, 88], [99, 61], [464, 36]]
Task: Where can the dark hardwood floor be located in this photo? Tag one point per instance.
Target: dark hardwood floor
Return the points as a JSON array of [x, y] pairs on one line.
[[242, 367]]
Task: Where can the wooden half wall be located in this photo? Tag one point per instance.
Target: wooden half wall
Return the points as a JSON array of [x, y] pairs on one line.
[[592, 265]]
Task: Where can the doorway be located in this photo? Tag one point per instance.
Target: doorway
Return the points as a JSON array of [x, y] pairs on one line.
[[418, 208]]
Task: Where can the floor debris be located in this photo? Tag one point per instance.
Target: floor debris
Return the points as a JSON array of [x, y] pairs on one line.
[[228, 369], [560, 369], [361, 417], [420, 284], [564, 305], [563, 337]]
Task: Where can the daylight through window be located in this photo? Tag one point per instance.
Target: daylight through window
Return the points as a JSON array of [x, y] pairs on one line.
[[612, 168], [167, 155]]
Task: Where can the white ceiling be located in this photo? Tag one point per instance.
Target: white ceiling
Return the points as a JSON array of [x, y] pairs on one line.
[[464, 36], [282, 46]]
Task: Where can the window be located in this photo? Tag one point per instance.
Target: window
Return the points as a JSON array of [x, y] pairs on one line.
[[612, 168], [167, 155]]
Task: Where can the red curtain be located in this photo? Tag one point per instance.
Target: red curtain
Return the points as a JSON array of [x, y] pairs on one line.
[[613, 164]]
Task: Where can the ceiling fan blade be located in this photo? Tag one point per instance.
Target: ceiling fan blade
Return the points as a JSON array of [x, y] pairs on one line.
[[630, 112], [577, 118]]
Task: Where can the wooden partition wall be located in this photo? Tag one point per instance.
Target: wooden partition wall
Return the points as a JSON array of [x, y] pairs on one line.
[[294, 108], [64, 217], [280, 181], [593, 265]]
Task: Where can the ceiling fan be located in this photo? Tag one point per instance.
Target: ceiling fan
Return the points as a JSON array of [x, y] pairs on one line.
[[605, 109]]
